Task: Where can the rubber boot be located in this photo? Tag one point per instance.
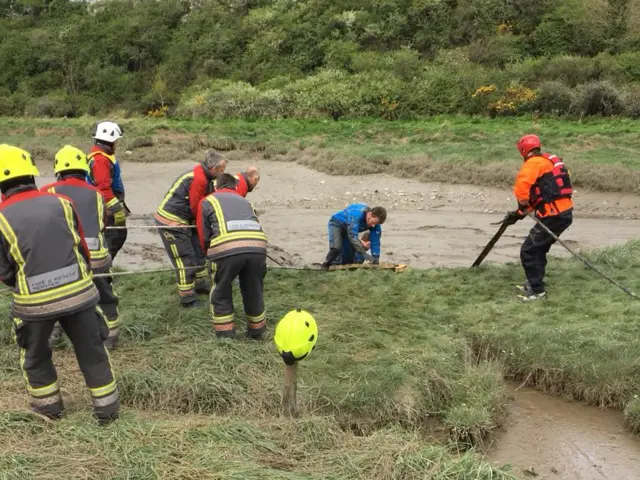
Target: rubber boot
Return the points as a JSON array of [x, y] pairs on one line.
[[203, 286], [194, 304], [52, 411]]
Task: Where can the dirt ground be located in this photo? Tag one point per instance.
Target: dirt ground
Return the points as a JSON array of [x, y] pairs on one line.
[[429, 224]]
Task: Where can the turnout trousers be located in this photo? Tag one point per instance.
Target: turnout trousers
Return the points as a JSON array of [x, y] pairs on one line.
[[250, 268], [108, 307], [533, 253], [87, 331], [115, 238], [108, 304], [183, 247]]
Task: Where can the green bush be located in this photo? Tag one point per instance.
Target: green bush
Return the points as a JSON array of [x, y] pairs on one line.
[[53, 106], [598, 98], [554, 97], [632, 102]]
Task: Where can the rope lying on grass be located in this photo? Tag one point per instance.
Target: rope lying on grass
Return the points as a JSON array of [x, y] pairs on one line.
[[583, 260]]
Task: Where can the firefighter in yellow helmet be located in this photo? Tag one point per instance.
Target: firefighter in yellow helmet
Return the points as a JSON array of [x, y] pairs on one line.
[[45, 260], [296, 335], [71, 167]]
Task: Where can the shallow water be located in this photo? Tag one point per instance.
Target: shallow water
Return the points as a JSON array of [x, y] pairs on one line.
[[556, 439]]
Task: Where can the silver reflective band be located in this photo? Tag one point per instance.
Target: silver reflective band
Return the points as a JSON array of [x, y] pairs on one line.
[[56, 278], [242, 225], [104, 401], [93, 243]]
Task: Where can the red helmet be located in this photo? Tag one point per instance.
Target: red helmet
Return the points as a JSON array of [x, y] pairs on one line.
[[528, 143]]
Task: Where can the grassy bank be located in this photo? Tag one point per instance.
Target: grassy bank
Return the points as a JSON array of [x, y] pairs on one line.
[[407, 366], [603, 155]]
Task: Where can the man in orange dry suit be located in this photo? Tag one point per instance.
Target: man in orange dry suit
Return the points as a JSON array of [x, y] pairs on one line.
[[543, 186]]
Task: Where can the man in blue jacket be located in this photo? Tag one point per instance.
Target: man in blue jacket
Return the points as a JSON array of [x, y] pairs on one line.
[[344, 227]]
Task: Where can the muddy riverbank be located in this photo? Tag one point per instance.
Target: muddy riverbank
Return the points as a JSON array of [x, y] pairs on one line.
[[545, 437]]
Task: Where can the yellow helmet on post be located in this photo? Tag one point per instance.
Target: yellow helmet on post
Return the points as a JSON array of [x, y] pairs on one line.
[[70, 158], [15, 162], [296, 335]]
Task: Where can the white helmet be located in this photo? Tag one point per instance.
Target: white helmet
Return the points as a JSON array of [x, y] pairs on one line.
[[108, 132]]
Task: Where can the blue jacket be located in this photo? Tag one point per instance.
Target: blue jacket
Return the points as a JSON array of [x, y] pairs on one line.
[[354, 220]]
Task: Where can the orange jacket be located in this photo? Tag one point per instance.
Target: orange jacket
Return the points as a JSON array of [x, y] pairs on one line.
[[532, 169]]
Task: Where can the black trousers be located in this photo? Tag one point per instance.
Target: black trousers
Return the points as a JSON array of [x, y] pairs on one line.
[[115, 238], [183, 247], [533, 253], [250, 268], [108, 303], [87, 331]]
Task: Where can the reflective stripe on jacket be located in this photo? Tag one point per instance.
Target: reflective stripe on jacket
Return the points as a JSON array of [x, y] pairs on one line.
[[228, 225], [180, 204], [43, 255], [91, 209]]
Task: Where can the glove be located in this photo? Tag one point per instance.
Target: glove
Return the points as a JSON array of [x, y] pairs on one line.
[[375, 260], [367, 257], [120, 218], [512, 217]]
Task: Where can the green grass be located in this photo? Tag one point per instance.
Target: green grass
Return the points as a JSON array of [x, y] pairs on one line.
[[408, 369], [451, 149]]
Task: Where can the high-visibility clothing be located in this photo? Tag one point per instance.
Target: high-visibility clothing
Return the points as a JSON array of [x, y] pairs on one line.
[[90, 205], [106, 176], [43, 255], [91, 209], [183, 248], [180, 204], [539, 169], [87, 331], [228, 225], [250, 270]]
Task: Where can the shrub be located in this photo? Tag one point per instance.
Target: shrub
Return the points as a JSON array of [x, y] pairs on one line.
[[554, 97], [53, 106], [224, 99], [597, 98], [632, 102]]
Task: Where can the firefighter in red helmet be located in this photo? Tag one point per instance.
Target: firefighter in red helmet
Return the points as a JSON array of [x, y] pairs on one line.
[[543, 185]]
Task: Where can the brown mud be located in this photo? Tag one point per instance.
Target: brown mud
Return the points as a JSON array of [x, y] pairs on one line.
[[546, 438], [428, 225]]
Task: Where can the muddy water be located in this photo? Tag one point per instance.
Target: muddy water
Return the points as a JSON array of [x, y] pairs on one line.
[[556, 439]]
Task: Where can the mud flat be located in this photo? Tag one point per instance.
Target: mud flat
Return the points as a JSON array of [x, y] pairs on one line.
[[546, 437], [429, 224]]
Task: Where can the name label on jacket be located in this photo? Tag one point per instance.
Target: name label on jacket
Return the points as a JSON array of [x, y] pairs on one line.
[[53, 279], [242, 225], [92, 243]]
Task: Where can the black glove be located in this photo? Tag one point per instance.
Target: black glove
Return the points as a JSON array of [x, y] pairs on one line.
[[375, 260], [512, 217]]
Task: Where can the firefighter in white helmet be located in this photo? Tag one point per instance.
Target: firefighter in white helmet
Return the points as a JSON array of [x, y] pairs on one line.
[[105, 174]]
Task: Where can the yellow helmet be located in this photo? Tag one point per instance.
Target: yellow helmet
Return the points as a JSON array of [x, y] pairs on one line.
[[70, 158], [15, 162], [296, 335]]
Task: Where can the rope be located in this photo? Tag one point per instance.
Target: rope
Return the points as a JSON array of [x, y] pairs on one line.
[[583, 260], [149, 226]]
